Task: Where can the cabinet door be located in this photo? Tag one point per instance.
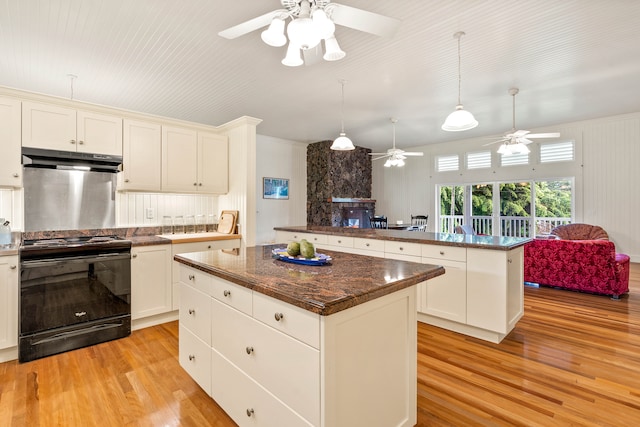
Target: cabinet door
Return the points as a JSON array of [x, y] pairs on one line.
[[142, 156], [179, 159], [48, 126], [487, 289], [150, 281], [10, 167], [8, 301], [99, 133], [213, 163], [445, 296]]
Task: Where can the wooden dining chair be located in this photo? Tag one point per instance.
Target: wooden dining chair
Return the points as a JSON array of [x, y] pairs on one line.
[[419, 221], [378, 222]]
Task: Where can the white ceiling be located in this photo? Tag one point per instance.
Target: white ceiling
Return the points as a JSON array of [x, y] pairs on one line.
[[571, 59]]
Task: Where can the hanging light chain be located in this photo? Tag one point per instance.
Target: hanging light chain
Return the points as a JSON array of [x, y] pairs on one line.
[[342, 82]]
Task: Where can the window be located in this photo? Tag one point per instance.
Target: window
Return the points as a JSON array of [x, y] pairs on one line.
[[479, 160], [447, 163], [514, 159], [451, 207], [557, 152]]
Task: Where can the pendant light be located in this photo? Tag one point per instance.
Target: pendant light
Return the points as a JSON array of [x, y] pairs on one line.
[[342, 142], [460, 119]]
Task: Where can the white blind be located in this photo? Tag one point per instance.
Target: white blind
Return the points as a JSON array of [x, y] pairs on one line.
[[557, 152], [447, 163], [514, 159], [479, 160]]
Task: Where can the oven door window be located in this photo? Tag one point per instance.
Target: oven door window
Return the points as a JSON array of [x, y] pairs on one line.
[[63, 292]]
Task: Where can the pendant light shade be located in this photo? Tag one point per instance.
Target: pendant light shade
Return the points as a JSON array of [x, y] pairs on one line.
[[342, 142], [460, 119], [274, 35]]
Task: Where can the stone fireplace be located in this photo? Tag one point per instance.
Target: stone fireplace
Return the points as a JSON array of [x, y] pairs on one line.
[[338, 186]]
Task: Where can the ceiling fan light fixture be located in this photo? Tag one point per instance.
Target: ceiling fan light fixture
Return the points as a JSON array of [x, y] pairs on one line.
[[274, 35], [294, 56], [323, 24], [303, 33], [332, 50], [460, 119]]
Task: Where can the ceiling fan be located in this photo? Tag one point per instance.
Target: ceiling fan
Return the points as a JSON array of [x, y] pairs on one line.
[[395, 156], [515, 141], [311, 22]]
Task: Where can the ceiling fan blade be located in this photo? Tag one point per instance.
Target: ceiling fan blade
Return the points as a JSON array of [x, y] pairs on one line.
[[250, 25], [520, 133], [413, 153], [363, 20], [379, 154], [524, 141], [495, 142], [544, 135], [381, 157]]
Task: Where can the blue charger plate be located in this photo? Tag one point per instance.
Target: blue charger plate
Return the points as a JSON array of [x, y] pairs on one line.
[[318, 259]]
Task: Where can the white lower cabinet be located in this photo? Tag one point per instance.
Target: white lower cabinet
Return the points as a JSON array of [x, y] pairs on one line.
[[8, 302], [150, 280], [275, 364]]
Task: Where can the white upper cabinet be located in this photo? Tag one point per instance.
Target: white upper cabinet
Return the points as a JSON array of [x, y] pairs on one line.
[[213, 163], [59, 128], [194, 161], [141, 156], [10, 167]]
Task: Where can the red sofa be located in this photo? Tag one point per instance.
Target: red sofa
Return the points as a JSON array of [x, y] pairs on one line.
[[581, 265]]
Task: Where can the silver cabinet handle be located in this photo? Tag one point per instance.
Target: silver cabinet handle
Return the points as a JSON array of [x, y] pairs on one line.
[[134, 255], [249, 412], [195, 184], [366, 244], [192, 311], [200, 184], [441, 252], [80, 142], [209, 247], [249, 350], [226, 293], [73, 141], [510, 260], [15, 175], [339, 241], [401, 248], [192, 357], [13, 267], [126, 180], [191, 277], [278, 316]]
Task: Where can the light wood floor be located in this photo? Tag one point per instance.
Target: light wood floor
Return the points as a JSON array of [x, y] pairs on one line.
[[574, 359]]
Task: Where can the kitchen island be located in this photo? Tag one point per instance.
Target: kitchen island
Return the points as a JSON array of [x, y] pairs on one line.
[[482, 294], [276, 343]]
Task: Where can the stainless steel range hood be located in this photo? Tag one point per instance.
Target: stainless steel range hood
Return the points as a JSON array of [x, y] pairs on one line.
[[54, 159], [68, 191]]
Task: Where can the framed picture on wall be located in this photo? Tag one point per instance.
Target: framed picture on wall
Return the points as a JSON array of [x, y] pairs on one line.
[[275, 188]]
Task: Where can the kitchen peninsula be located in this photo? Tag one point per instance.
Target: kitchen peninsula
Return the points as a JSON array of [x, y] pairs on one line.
[[481, 294], [276, 343]]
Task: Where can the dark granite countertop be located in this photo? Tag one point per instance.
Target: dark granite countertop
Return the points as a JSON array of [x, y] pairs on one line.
[[429, 238], [349, 280]]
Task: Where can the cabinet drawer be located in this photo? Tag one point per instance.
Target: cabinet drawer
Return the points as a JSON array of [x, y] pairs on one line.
[[195, 358], [231, 294], [195, 312], [246, 402], [316, 239], [368, 244], [183, 248], [444, 252], [294, 321], [196, 278], [402, 248], [288, 368], [341, 241]]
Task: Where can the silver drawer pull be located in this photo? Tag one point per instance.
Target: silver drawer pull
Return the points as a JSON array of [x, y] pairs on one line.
[[73, 141], [401, 248], [191, 357], [81, 142], [441, 252], [339, 241], [249, 412], [134, 255], [249, 350], [13, 267], [510, 260], [15, 175], [191, 277], [227, 293], [278, 316], [192, 311], [126, 180], [209, 247], [366, 244]]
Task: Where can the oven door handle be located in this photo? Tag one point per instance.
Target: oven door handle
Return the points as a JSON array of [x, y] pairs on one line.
[[75, 260]]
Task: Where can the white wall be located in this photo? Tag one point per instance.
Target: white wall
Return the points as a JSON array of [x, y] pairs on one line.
[[606, 177], [279, 158]]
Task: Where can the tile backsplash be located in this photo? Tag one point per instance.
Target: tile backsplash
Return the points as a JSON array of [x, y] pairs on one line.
[[148, 208]]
